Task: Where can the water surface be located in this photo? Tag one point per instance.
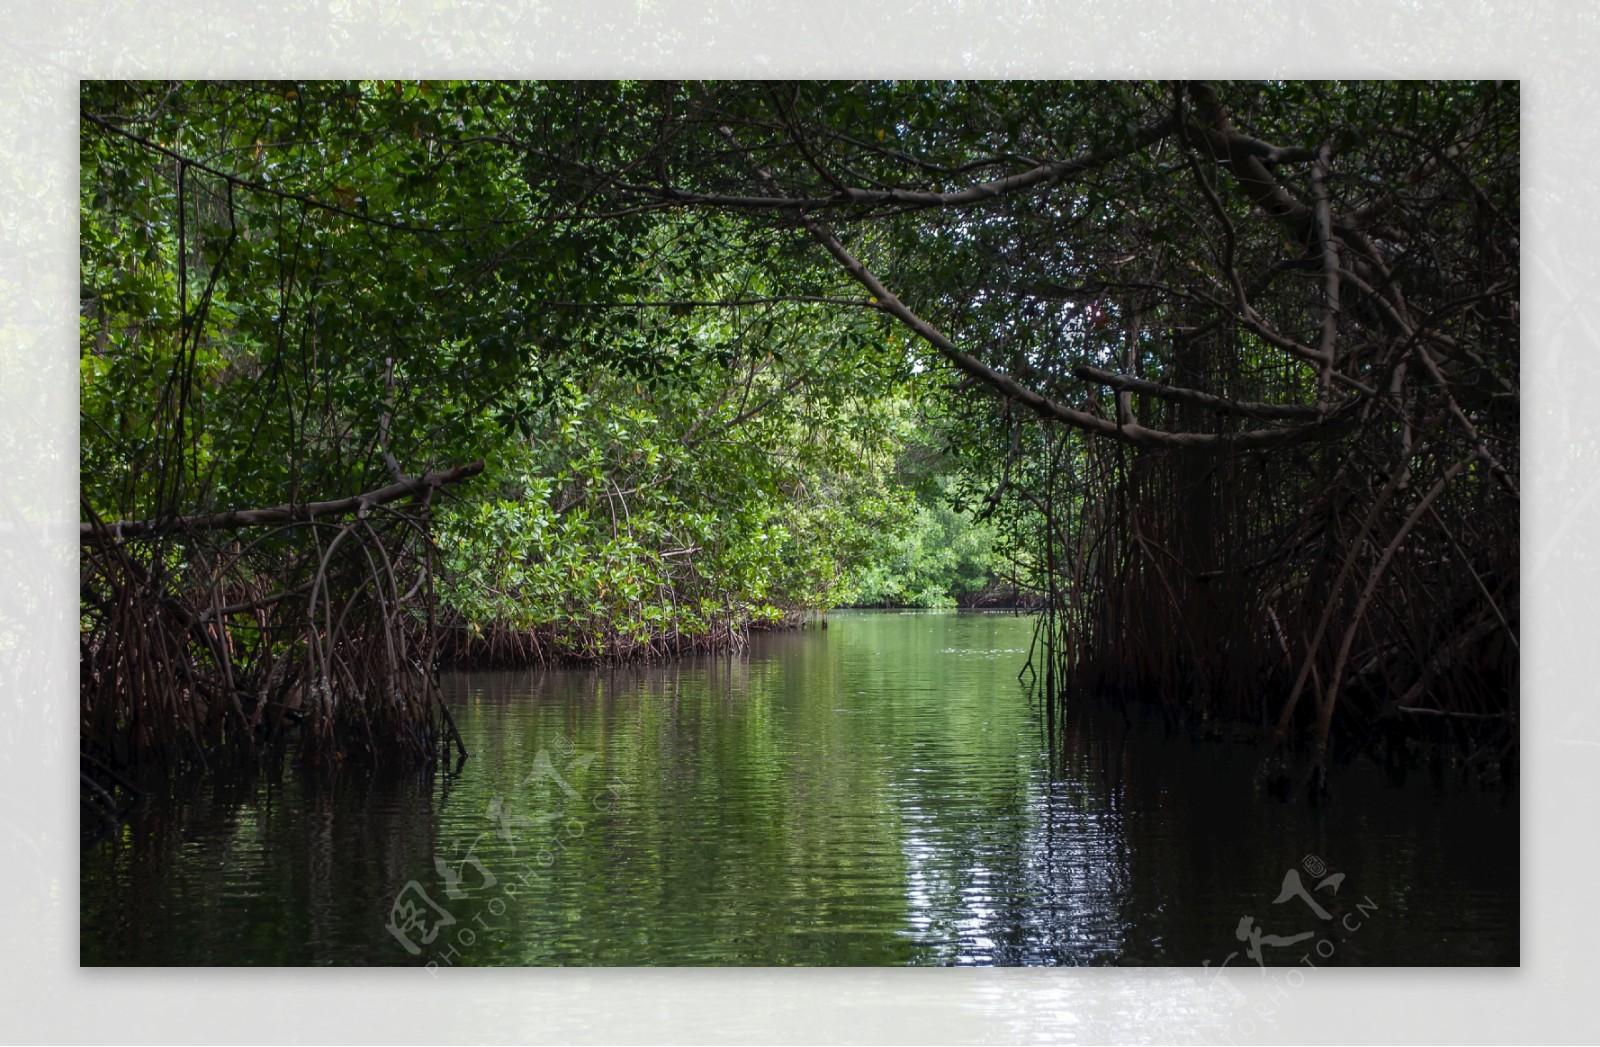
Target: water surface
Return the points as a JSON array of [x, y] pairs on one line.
[[878, 792]]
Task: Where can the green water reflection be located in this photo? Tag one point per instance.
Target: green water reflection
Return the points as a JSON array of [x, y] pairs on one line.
[[879, 792]]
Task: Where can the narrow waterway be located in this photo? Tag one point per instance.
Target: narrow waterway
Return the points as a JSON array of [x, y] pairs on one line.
[[877, 792]]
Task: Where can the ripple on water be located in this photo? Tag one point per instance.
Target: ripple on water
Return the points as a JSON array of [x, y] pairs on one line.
[[876, 793]]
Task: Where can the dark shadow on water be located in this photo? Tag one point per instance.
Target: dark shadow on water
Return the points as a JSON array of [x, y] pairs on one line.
[[880, 792]]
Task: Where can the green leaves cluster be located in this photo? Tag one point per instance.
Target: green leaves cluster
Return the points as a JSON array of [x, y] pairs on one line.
[[935, 556], [631, 514]]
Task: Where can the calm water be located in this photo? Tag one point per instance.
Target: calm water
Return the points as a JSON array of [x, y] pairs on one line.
[[879, 792]]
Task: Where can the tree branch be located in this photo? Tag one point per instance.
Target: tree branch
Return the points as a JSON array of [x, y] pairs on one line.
[[278, 514], [1178, 394], [1041, 175]]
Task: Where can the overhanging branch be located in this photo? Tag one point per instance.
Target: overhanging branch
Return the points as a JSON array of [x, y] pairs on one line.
[[1041, 175], [1003, 383], [278, 514], [1209, 401]]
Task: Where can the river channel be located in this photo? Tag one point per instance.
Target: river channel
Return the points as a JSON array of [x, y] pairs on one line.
[[878, 792]]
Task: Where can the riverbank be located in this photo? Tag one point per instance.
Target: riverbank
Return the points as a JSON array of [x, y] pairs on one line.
[[502, 645]]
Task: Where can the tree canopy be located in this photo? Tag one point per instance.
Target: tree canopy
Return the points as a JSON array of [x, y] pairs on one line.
[[1227, 371]]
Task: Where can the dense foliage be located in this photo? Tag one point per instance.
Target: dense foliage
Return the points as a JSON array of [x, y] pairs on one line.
[[1253, 352], [1228, 371], [295, 293]]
